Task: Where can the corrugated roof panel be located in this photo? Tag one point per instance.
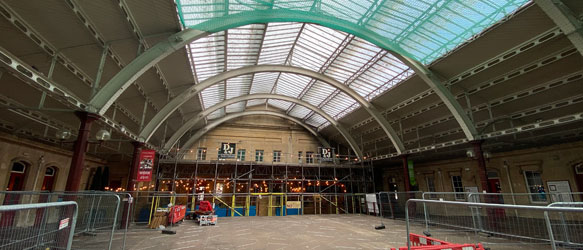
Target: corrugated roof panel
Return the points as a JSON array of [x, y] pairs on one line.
[[283, 105], [263, 82], [291, 84]]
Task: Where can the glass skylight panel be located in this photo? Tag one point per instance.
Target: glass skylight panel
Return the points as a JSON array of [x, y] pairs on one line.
[[193, 12], [338, 103], [279, 40], [213, 95], [299, 111], [437, 26], [243, 45], [315, 120], [352, 10], [380, 74], [255, 102], [208, 55], [314, 46], [352, 59], [263, 82], [318, 93], [422, 29], [216, 114], [291, 84], [235, 107], [238, 86], [280, 104]]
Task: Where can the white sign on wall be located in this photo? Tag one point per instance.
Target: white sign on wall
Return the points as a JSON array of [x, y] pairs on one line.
[[559, 190]]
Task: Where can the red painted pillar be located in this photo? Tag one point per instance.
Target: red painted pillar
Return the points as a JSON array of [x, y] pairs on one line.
[[78, 159], [406, 173], [133, 174], [482, 172], [132, 184]]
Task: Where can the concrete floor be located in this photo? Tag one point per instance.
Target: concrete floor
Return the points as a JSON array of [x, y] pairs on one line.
[[289, 232]]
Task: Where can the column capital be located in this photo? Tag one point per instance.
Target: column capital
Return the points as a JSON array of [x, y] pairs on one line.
[[86, 116], [138, 144], [477, 142]]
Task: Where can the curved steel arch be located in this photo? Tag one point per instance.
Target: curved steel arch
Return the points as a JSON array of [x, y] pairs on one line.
[[167, 110], [116, 85], [219, 121], [193, 121]]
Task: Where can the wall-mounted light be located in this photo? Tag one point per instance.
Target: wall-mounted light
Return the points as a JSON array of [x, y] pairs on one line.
[[470, 153], [63, 134], [103, 135], [487, 155]]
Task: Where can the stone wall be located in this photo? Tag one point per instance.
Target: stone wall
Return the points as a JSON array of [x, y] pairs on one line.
[[554, 163], [253, 133], [37, 157]]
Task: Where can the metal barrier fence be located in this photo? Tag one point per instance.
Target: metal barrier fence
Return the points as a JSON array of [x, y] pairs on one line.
[[392, 204], [99, 213], [497, 224], [38, 226], [530, 199]]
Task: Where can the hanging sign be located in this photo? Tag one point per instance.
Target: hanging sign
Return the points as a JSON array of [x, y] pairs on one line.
[[146, 165], [412, 179], [326, 154], [227, 150]]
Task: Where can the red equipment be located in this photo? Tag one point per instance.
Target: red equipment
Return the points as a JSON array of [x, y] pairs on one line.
[[177, 213], [205, 206], [419, 242]]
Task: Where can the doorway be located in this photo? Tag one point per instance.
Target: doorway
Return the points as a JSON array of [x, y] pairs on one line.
[[494, 186], [48, 186], [15, 183], [17, 174]]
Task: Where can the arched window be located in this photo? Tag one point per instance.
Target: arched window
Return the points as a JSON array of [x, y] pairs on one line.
[[17, 174], [18, 167]]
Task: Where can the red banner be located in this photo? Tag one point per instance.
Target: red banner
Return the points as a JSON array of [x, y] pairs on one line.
[[146, 164]]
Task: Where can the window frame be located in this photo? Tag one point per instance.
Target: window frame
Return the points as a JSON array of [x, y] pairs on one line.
[[300, 156], [432, 186], [309, 157], [457, 196], [201, 153], [259, 155], [241, 154], [276, 155], [528, 188]]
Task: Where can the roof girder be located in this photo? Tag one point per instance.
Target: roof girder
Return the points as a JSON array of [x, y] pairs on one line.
[[565, 19], [167, 110], [113, 89], [193, 121]]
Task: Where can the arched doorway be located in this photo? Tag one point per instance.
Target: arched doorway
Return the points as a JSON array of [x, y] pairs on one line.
[[48, 185], [17, 174], [49, 179], [15, 183]]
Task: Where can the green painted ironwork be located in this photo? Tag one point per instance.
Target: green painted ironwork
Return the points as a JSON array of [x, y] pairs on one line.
[[421, 29]]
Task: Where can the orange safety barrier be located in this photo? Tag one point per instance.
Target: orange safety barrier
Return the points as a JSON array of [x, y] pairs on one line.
[[420, 242]]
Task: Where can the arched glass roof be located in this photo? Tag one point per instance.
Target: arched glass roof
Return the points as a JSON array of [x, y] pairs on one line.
[[421, 29]]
